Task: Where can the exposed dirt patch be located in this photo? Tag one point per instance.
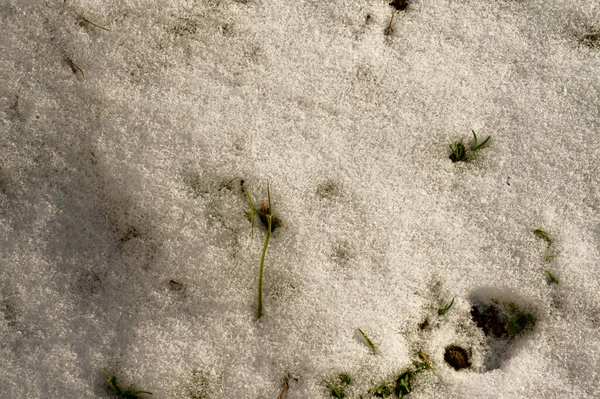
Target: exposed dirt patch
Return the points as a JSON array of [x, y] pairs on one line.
[[502, 320], [591, 39], [399, 5], [328, 190], [457, 357]]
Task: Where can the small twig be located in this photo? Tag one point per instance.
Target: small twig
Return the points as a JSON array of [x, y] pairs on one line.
[[286, 379], [91, 23], [74, 66], [389, 29]]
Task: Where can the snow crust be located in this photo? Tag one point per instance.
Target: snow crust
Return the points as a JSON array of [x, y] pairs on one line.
[[115, 144]]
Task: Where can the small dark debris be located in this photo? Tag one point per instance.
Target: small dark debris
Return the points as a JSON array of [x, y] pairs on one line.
[[174, 285], [10, 313], [423, 325], [591, 39], [130, 233], [328, 190], [457, 357], [458, 153], [399, 5]]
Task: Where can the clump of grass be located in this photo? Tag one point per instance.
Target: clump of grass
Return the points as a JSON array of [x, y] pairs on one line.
[[446, 308], [129, 392], [551, 277], [337, 388], [384, 390], [402, 383], [542, 234], [458, 151], [368, 341]]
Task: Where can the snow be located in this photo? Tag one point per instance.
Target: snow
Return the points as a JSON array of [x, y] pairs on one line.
[[112, 183]]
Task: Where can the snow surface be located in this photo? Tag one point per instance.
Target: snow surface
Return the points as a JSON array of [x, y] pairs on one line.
[[110, 186]]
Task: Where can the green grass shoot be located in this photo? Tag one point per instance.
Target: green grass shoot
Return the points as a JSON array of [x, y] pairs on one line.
[[458, 152], [542, 234], [269, 215], [368, 341], [477, 147], [384, 390], [551, 277], [129, 392], [337, 390], [446, 308]]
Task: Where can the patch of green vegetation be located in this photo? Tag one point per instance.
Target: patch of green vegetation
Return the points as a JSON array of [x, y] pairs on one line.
[[502, 319], [403, 381], [446, 308], [368, 341], [424, 364], [401, 385], [129, 392], [551, 277], [519, 321], [542, 234], [458, 151], [384, 390], [337, 388]]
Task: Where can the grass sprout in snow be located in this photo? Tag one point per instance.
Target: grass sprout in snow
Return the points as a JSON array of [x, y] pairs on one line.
[[368, 341], [446, 308]]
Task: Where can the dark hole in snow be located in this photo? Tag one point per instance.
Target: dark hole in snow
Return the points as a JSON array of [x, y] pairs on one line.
[[457, 357]]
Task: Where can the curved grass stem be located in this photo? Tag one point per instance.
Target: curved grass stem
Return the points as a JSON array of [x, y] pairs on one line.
[[269, 217]]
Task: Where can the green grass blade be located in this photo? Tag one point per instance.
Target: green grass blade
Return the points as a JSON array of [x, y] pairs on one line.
[[262, 267], [542, 234], [369, 342], [477, 147], [551, 277], [446, 308]]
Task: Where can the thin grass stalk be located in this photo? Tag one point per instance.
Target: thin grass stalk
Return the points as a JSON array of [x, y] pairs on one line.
[[262, 266]]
